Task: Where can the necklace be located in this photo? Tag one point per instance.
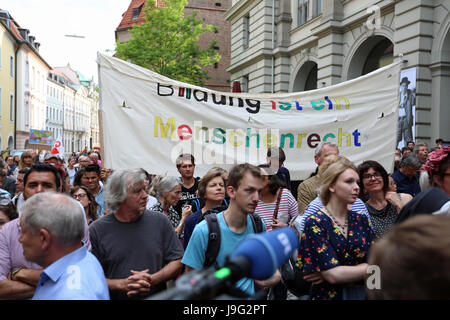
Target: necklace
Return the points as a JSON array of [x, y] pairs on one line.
[[343, 228]]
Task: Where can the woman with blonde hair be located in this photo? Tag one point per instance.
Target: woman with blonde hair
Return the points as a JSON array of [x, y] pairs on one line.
[[316, 204], [26, 161], [336, 241], [211, 191]]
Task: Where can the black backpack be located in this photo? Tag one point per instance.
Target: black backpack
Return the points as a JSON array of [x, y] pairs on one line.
[[212, 251]]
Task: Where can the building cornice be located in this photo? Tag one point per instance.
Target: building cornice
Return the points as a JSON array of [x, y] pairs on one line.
[[242, 5]]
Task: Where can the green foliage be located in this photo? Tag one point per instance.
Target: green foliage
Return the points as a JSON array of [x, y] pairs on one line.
[[166, 43]]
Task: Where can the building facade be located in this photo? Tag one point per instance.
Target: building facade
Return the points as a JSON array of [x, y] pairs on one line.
[[77, 105], [290, 46], [30, 95], [54, 119], [212, 12], [8, 46]]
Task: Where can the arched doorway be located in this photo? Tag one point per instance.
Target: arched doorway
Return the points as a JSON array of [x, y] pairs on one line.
[[375, 52], [306, 78]]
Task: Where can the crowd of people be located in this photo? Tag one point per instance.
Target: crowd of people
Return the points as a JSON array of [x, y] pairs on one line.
[[76, 230]]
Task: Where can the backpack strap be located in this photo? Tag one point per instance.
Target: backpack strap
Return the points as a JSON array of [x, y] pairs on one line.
[[275, 213], [212, 251], [257, 222], [213, 248], [196, 202]]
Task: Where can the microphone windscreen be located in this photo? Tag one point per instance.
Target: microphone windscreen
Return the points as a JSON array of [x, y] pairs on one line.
[[267, 251]]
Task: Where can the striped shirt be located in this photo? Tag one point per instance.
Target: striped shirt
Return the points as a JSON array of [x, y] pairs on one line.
[[316, 205], [287, 211]]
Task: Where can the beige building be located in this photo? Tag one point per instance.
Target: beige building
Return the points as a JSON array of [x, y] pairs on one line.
[[31, 92], [8, 46], [298, 45]]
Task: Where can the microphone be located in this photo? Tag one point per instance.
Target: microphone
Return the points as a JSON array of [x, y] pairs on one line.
[[256, 257], [267, 252]]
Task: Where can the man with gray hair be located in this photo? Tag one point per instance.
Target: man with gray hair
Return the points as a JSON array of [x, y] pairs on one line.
[[52, 229], [18, 276], [406, 178], [421, 152], [307, 190], [138, 249]]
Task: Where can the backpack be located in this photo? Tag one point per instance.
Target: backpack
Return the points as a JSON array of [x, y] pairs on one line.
[[212, 250]]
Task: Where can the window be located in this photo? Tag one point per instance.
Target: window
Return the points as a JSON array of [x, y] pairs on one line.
[[216, 65], [246, 26], [302, 11], [308, 9], [136, 12], [27, 74], [11, 66]]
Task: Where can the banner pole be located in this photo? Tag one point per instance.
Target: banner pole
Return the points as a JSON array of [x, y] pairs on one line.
[[99, 114]]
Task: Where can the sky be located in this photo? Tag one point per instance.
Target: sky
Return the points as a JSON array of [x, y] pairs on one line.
[[50, 20]]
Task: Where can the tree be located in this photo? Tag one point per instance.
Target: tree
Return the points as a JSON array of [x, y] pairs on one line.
[[166, 43]]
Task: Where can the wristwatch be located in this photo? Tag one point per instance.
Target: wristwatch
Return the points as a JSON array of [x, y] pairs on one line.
[[15, 271]]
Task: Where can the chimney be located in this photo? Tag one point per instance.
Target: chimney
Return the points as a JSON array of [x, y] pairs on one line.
[[37, 45]]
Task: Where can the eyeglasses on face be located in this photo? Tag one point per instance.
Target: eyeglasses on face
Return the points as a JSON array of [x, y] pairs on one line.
[[368, 176], [79, 196]]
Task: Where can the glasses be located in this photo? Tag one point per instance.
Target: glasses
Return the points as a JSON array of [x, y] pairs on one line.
[[368, 176], [79, 196]]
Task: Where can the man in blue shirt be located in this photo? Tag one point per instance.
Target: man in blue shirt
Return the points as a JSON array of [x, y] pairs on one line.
[[91, 180], [406, 178], [52, 227], [244, 185]]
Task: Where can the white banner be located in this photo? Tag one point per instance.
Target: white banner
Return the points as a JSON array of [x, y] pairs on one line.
[[147, 120]]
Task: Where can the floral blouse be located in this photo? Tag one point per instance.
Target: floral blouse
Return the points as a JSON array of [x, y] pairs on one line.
[[174, 217], [324, 247]]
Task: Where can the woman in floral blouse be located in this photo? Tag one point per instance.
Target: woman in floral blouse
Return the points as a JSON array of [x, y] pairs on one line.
[[168, 193], [336, 241]]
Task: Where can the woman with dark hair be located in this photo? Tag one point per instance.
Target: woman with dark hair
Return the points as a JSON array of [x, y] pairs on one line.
[[384, 203], [78, 176], [7, 213], [276, 205], [87, 200], [275, 159]]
